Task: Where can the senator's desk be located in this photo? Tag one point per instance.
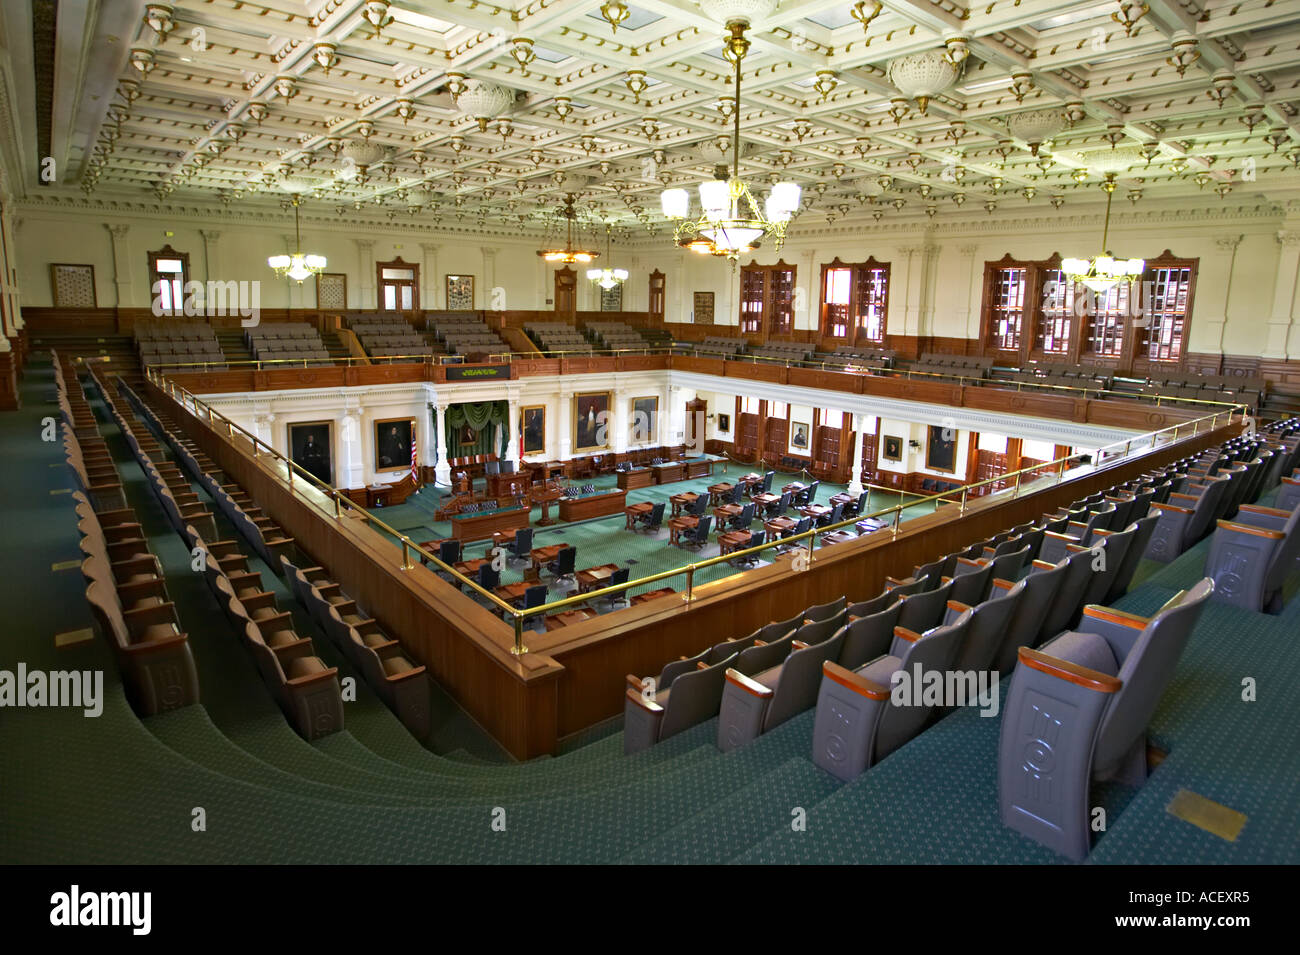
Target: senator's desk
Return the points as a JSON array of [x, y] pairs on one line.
[[593, 505], [635, 478], [473, 527], [702, 465], [669, 472]]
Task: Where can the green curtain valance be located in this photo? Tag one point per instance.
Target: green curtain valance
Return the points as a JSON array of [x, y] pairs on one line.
[[490, 421]]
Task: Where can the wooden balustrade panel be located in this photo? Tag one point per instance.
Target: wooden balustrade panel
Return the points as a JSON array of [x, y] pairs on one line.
[[387, 374], [593, 365], [536, 366], [829, 380], [215, 382], [912, 389], [755, 371], [642, 362], [1027, 402], [284, 378], [1141, 416], [704, 366]]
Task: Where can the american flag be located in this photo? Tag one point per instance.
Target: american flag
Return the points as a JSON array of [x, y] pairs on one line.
[[415, 467]]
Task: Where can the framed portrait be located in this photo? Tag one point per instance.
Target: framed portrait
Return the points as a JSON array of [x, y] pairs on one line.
[[460, 292], [73, 286], [468, 434], [311, 446], [799, 435], [332, 290], [645, 419], [532, 426], [892, 448], [941, 449], [590, 419], [393, 444], [724, 423]]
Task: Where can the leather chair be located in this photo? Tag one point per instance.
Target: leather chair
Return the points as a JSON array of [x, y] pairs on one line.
[[687, 699]]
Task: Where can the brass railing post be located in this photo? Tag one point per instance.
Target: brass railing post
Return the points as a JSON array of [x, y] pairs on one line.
[[406, 553], [964, 491], [338, 508], [690, 582], [898, 511], [1016, 493], [519, 649]]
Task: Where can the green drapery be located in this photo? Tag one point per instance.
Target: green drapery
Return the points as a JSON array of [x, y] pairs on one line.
[[490, 421]]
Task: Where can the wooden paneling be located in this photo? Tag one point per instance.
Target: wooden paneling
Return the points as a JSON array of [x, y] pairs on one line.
[[913, 389], [1136, 415], [755, 371], [594, 505], [1026, 403]]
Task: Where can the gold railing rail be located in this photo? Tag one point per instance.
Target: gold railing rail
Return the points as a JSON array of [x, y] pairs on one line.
[[1117, 450]]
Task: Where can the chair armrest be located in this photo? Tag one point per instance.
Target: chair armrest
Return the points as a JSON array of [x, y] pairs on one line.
[[1175, 508], [855, 682], [1001, 584], [958, 606], [900, 583], [137, 620], [1043, 565], [701, 665], [145, 564], [799, 645], [154, 587], [1236, 528], [752, 687], [635, 682], [634, 696], [1082, 676], [911, 636], [323, 676], [759, 643], [1110, 615]]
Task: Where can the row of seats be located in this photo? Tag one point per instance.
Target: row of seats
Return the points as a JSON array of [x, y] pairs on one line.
[[553, 337], [465, 333], [290, 341], [125, 585], [306, 689], [851, 356], [782, 351], [400, 682], [177, 343], [614, 335], [387, 335]]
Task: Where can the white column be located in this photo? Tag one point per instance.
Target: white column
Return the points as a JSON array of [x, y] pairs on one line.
[[928, 261], [621, 422], [1211, 327], [483, 290], [433, 292], [855, 473], [1282, 316], [365, 297], [211, 264], [806, 292], [512, 427], [904, 309], [677, 398], [565, 431], [441, 468], [968, 316], [122, 266], [350, 469]]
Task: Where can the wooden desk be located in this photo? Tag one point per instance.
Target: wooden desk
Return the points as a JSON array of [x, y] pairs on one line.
[[678, 501], [679, 524], [653, 595], [766, 500], [545, 496], [733, 540], [593, 578], [469, 568], [717, 491], [845, 498], [557, 620], [814, 511], [635, 478], [753, 477], [473, 527], [869, 524], [699, 467], [633, 510], [794, 487], [669, 472], [431, 546], [541, 556], [839, 537], [377, 495], [502, 538], [511, 593], [780, 526], [724, 513], [507, 485], [592, 505]]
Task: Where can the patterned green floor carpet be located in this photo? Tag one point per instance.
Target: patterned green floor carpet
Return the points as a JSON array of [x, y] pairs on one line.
[[118, 789]]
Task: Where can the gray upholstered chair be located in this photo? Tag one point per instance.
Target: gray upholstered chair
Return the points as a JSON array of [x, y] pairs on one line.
[[752, 705], [971, 580], [1146, 526], [923, 610], [858, 724], [1077, 711], [1041, 586], [988, 627], [1250, 558], [869, 636], [1055, 545], [691, 698]]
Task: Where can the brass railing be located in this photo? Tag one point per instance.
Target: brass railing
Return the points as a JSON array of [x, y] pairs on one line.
[[1116, 451]]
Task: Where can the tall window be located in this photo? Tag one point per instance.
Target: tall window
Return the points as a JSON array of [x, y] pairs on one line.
[[1106, 314], [767, 299], [1006, 307], [854, 300], [1168, 304], [398, 285], [1056, 318], [169, 270]]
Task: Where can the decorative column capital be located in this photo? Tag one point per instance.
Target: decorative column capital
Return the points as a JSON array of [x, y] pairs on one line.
[[363, 245], [1287, 237], [969, 250], [431, 247], [1227, 243], [117, 231], [209, 235]]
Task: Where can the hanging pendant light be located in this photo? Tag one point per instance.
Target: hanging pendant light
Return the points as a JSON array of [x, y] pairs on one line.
[[568, 254], [732, 223], [299, 265], [1103, 272], [607, 278]]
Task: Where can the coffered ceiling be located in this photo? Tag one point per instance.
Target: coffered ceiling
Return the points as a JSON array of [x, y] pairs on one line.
[[242, 102]]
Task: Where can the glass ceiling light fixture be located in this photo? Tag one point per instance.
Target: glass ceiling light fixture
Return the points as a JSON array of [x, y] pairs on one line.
[[920, 76], [521, 48], [568, 254], [376, 14], [1103, 272], [299, 265], [732, 223], [158, 17], [1130, 12], [326, 56], [607, 278], [865, 11]]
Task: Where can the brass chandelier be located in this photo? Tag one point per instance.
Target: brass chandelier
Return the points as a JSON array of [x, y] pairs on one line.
[[568, 254], [1101, 273], [299, 265], [732, 222]]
